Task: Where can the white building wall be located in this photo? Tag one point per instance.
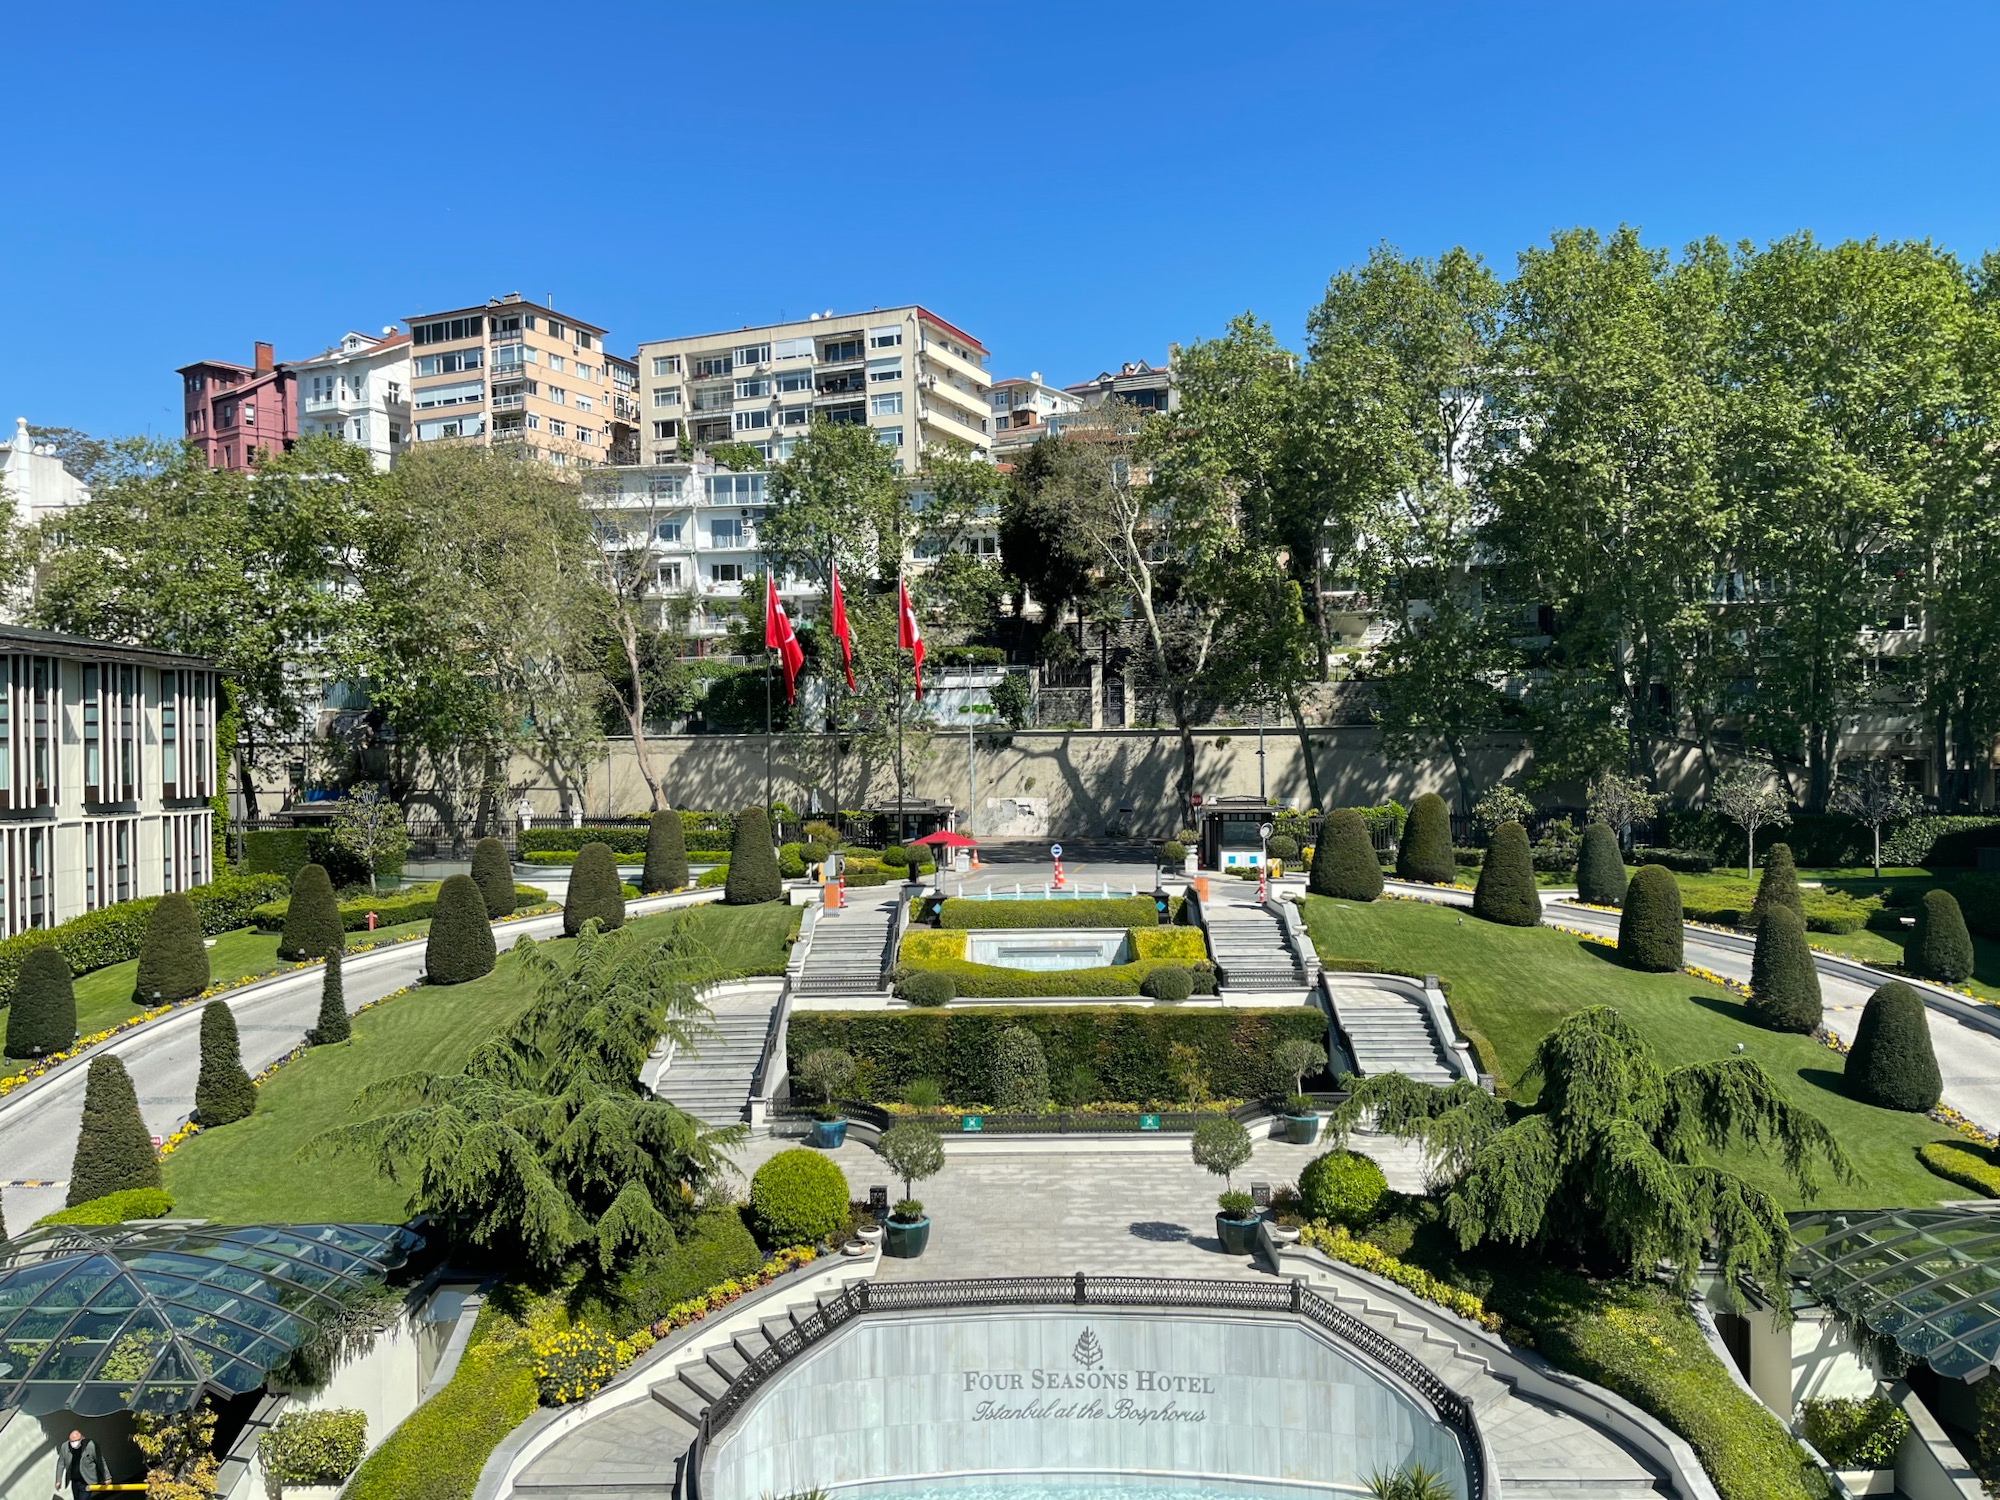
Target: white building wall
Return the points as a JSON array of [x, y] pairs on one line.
[[360, 394]]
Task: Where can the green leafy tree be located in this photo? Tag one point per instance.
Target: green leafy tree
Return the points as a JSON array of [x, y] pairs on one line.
[[41, 1019], [1425, 853], [838, 496], [493, 873], [370, 827], [913, 1152], [595, 891], [1613, 1165], [1046, 556], [223, 1092], [1600, 867], [1742, 797], [1944, 947], [114, 1150], [753, 863], [1778, 886], [1501, 803], [333, 1024], [1784, 983], [1221, 1146], [1343, 863], [1892, 1062], [666, 854], [1650, 936], [460, 944], [173, 958], [1619, 802], [313, 927], [1296, 1059], [1506, 891]]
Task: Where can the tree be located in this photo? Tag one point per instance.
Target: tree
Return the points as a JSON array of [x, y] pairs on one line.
[[1343, 863], [1944, 947], [1295, 1058], [1618, 802], [1612, 1166], [827, 1073], [1892, 1063], [493, 873], [837, 497], [313, 926], [1501, 803], [90, 459], [370, 827], [333, 1024], [41, 1019], [460, 944], [1650, 937], [1045, 555], [1872, 794], [1506, 891], [595, 890], [1742, 797], [666, 854], [114, 1150], [753, 863], [913, 1152], [1221, 1146], [1425, 852], [1778, 885], [223, 1092], [173, 959], [1784, 983], [1600, 868]]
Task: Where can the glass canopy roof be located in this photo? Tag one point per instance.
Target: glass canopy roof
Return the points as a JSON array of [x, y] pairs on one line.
[[1929, 1278], [151, 1317]]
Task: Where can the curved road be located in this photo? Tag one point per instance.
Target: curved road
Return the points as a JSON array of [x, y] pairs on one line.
[[39, 1122], [1968, 1054]]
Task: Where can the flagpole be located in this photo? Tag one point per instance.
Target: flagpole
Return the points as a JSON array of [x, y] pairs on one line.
[[900, 824], [769, 586], [832, 699]]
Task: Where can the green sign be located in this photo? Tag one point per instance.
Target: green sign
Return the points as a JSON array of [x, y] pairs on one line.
[[971, 1122], [1149, 1122]]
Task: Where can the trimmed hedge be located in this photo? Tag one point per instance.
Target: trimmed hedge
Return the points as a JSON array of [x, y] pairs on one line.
[[1506, 891], [223, 1093], [1425, 852], [493, 873], [1341, 1187], [1683, 861], [1126, 1047], [286, 851], [701, 832], [1600, 867], [753, 863], [415, 904], [116, 1208], [173, 962], [1343, 863], [1778, 886], [1978, 899], [1892, 1063], [798, 1197], [966, 914], [1943, 946], [313, 926], [1650, 937], [1967, 1165], [314, 1447], [1019, 1079], [927, 987], [1170, 983], [460, 945], [42, 1018], [1784, 985], [114, 1150], [594, 891], [666, 854]]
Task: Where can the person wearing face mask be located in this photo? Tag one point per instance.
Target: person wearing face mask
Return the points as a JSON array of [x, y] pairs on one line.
[[78, 1466]]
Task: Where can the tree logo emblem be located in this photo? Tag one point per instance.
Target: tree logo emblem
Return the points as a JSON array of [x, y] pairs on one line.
[[1088, 1352]]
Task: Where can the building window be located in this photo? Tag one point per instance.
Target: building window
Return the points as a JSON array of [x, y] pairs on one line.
[[662, 431], [753, 421], [890, 405], [754, 354], [585, 403], [668, 532], [395, 434], [586, 434], [667, 395], [735, 489], [669, 575], [795, 416], [716, 364], [666, 364], [793, 381], [889, 437], [750, 390], [558, 395], [558, 427], [725, 572], [885, 338], [877, 375], [458, 393], [725, 533], [451, 427], [556, 362], [451, 364], [841, 351], [447, 330]]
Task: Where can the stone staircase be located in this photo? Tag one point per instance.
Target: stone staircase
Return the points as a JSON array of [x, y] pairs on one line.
[[712, 1081], [1386, 1031], [850, 947], [1247, 942]]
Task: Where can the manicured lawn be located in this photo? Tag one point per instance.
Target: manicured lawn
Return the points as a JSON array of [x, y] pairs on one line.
[[1511, 985], [250, 1172]]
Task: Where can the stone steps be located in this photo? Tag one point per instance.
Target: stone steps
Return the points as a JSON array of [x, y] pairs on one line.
[[711, 1080], [1388, 1033], [849, 952], [1247, 943]]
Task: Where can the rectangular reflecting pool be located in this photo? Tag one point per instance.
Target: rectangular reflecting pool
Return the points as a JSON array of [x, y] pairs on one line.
[[1049, 948], [1086, 1487]]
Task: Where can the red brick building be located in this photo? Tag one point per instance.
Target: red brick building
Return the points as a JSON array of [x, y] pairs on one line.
[[236, 412]]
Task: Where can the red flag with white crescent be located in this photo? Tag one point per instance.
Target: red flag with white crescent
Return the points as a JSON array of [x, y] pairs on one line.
[[908, 636], [779, 636], [840, 630]]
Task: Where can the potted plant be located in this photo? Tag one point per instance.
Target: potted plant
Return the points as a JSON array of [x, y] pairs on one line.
[[825, 1075], [1285, 1215], [914, 1153], [1222, 1146], [1191, 855], [1295, 1059]]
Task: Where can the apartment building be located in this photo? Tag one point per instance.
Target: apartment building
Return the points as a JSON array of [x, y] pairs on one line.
[[107, 765], [917, 381], [359, 391], [508, 371], [1148, 387], [624, 409], [234, 413], [1021, 411]]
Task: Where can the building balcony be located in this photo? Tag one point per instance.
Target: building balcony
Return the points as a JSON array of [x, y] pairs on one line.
[[948, 422], [974, 405], [317, 404], [509, 403], [935, 352], [840, 392]]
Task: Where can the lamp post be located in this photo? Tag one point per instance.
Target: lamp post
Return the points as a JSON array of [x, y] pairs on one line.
[[971, 773], [1262, 795]]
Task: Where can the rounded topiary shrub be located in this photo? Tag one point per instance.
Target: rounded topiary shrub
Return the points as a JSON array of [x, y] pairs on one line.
[[753, 863], [42, 1018], [1506, 891], [798, 1197], [1344, 864], [1282, 848], [460, 946], [1944, 947], [926, 987], [333, 1024], [493, 873], [1168, 982], [666, 854], [1784, 985], [1779, 885], [1173, 854], [173, 960], [1341, 1187], [312, 917], [594, 890], [114, 1150], [896, 857], [223, 1092], [1892, 1062], [1649, 927], [1600, 867], [1425, 852], [1201, 974], [1020, 1076]]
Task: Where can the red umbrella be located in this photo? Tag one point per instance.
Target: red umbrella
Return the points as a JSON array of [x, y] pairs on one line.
[[948, 840]]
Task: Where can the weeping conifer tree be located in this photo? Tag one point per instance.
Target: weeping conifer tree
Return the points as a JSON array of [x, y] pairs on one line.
[[333, 1025], [223, 1092], [1610, 1167]]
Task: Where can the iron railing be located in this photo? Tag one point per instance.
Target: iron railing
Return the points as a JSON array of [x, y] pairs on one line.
[[1293, 1298]]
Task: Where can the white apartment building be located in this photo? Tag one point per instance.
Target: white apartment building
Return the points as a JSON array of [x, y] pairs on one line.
[[359, 391], [34, 486], [1021, 411], [915, 380], [107, 765]]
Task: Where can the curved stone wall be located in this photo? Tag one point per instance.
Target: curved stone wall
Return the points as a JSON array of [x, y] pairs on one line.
[[1093, 1392]]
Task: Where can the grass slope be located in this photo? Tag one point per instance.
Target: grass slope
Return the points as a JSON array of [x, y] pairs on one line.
[[1511, 985], [249, 1172]]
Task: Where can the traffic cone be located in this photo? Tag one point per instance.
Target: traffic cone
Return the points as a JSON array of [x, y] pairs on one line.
[[975, 856]]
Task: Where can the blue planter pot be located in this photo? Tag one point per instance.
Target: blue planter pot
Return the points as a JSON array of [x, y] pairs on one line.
[[905, 1241], [1238, 1236], [829, 1134], [1302, 1130]]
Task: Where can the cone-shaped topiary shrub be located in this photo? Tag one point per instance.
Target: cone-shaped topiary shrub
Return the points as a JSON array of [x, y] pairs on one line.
[[1944, 947], [460, 946], [1600, 868], [666, 854], [798, 1197], [223, 1092], [594, 890], [1892, 1063], [1020, 1071], [333, 1025], [1649, 928], [753, 863], [173, 960], [114, 1150], [493, 873], [42, 1019], [1425, 852], [1344, 864], [1779, 885], [312, 919], [1784, 985], [1506, 890]]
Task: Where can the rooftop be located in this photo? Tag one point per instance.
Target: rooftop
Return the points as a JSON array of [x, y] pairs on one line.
[[55, 643]]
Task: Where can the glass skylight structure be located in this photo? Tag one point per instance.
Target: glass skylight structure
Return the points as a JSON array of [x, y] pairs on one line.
[[1929, 1278]]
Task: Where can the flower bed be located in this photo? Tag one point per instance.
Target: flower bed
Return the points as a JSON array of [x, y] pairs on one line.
[[1336, 1243]]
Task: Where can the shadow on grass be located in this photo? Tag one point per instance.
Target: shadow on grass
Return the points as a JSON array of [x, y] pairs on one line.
[[1734, 1009], [1832, 1080]]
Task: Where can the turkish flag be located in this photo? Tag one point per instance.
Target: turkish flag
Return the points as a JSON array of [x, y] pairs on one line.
[[778, 635], [907, 634], [840, 630]]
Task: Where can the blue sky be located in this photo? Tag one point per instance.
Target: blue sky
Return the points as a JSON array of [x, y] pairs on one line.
[[1074, 184]]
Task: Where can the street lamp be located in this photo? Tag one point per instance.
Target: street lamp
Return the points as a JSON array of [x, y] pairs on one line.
[[971, 775]]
